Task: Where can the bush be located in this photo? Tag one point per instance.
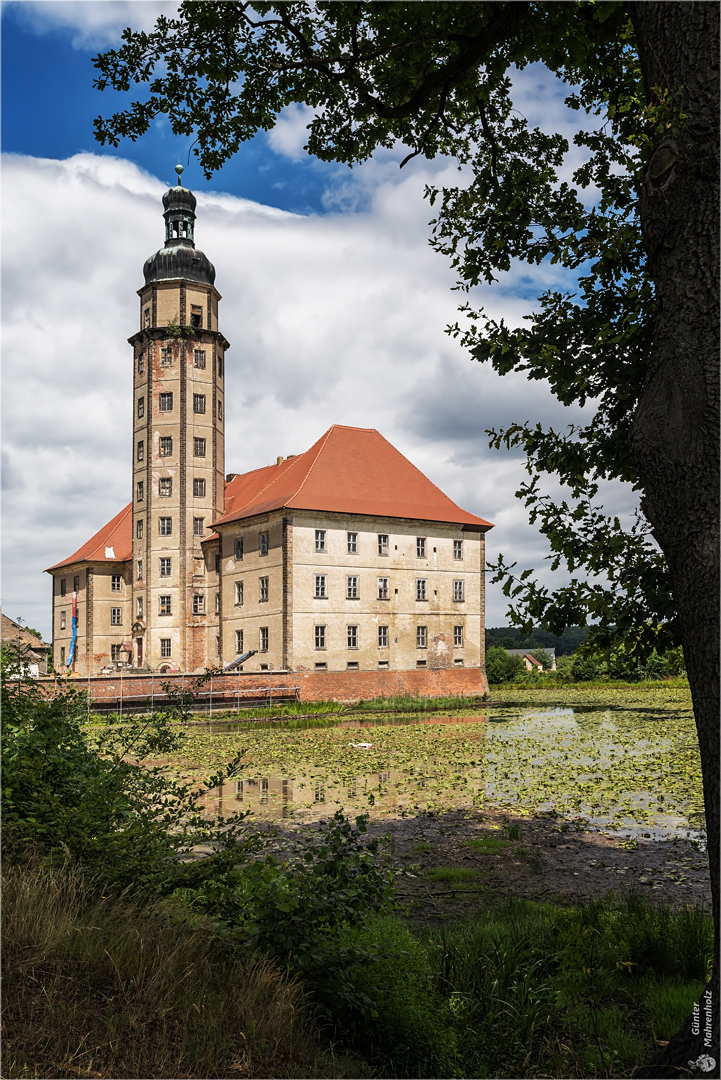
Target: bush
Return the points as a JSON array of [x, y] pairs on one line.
[[585, 666], [502, 666]]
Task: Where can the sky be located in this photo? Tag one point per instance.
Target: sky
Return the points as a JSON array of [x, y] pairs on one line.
[[334, 304]]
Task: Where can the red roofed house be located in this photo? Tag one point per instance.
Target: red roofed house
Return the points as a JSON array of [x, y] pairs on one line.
[[343, 558]]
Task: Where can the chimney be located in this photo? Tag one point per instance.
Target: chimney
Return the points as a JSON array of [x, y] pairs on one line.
[[279, 461]]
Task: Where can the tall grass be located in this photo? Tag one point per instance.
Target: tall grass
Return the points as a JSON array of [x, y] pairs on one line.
[[105, 989]]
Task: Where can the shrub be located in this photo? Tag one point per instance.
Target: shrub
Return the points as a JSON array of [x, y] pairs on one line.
[[585, 666], [502, 666]]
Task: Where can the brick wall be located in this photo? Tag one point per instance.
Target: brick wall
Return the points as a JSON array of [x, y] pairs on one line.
[[344, 686]]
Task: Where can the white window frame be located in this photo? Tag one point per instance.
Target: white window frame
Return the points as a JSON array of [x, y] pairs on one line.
[[421, 589], [352, 635], [383, 588], [165, 567], [319, 636], [459, 591], [116, 583], [458, 550], [420, 547], [116, 616], [457, 637], [383, 543], [320, 540], [198, 445], [382, 637], [263, 543], [167, 603], [352, 587], [198, 604], [421, 637], [165, 526], [263, 590], [321, 587], [239, 642], [166, 648], [239, 593], [263, 639], [352, 543]]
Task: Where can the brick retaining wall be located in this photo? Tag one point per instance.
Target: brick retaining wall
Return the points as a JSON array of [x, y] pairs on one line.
[[341, 686]]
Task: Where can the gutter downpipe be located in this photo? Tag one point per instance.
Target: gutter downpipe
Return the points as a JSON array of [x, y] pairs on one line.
[[74, 625]]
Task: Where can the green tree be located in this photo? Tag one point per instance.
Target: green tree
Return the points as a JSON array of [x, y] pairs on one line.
[[639, 335]]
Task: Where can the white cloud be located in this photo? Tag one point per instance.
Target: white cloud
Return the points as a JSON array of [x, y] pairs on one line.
[[93, 24], [290, 133], [333, 319]]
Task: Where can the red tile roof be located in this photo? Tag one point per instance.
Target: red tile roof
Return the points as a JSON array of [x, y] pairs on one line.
[[349, 471], [113, 543]]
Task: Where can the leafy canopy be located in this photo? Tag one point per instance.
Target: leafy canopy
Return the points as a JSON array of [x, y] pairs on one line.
[[438, 79]]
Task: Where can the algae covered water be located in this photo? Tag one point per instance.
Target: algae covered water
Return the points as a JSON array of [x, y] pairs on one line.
[[633, 770]]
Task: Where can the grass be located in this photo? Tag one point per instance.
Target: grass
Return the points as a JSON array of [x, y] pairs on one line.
[[486, 845], [105, 989], [422, 848], [407, 704], [452, 875]]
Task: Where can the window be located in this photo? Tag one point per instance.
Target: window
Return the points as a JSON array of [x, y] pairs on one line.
[[352, 592], [165, 648], [352, 665], [139, 607], [318, 667], [139, 528], [458, 592], [458, 662], [166, 446], [62, 620], [165, 402], [165, 487], [239, 642], [115, 651], [217, 606], [146, 317], [352, 543], [239, 550], [198, 447], [320, 637], [382, 637], [62, 655], [198, 604], [382, 588], [421, 591], [320, 539], [165, 567], [116, 583], [421, 637], [166, 356], [239, 592], [141, 450], [165, 526], [198, 403], [116, 616], [420, 547], [382, 543], [140, 569], [141, 408], [352, 637], [263, 544], [196, 317], [199, 489], [198, 526], [263, 639], [263, 598], [63, 586], [458, 636], [141, 363], [320, 587], [141, 490], [220, 409], [199, 358], [420, 663], [164, 608], [76, 583], [457, 549]]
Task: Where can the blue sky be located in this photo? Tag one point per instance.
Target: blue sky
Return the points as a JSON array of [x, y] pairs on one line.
[[52, 114], [334, 303]]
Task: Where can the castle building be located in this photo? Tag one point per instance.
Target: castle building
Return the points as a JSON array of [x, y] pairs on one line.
[[342, 558]]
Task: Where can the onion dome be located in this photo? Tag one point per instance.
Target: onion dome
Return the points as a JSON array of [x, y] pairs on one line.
[[179, 258]]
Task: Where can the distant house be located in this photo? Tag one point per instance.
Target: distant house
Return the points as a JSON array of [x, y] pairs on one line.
[[25, 647], [530, 661]]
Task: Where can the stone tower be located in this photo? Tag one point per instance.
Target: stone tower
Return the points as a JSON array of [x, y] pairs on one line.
[[178, 446]]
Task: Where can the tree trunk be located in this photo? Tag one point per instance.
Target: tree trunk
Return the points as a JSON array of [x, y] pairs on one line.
[[675, 433]]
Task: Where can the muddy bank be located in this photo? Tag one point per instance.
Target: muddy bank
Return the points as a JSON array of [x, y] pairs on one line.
[[537, 858]]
